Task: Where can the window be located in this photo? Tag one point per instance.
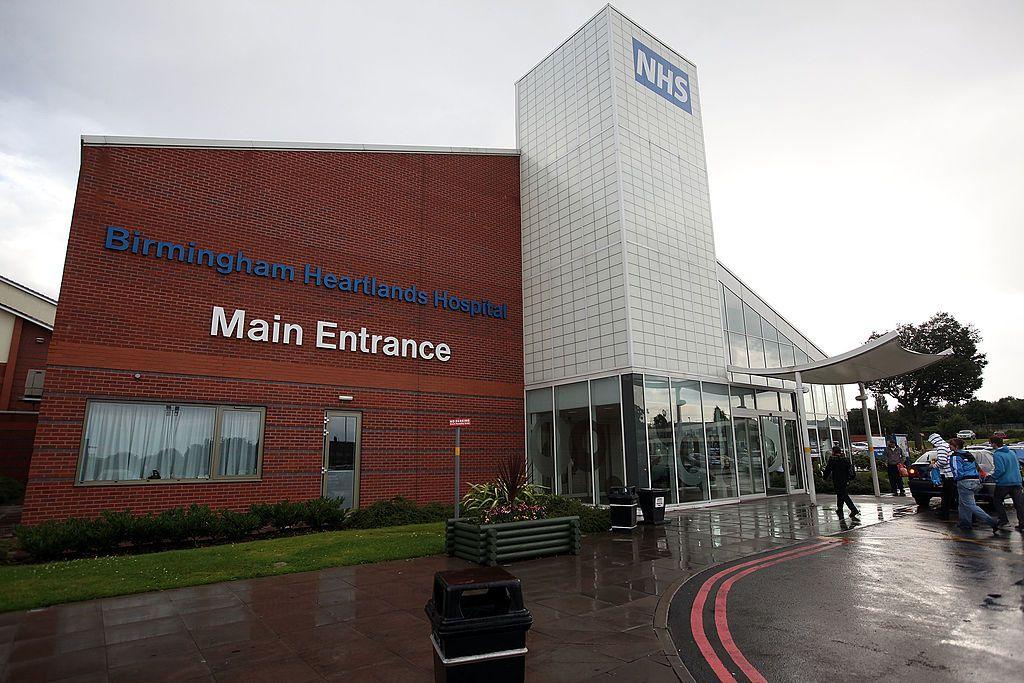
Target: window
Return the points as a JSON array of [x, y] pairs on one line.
[[540, 438], [718, 427], [606, 419], [690, 449], [733, 311], [658, 402], [752, 321], [134, 442], [34, 385], [572, 431]]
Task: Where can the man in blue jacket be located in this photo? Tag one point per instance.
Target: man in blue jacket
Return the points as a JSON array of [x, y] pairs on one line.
[[968, 483], [1008, 482]]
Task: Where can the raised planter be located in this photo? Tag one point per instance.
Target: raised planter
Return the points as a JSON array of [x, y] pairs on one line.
[[493, 543]]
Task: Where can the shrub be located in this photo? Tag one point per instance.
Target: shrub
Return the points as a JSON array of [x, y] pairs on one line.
[[147, 530], [281, 515], [592, 519], [46, 541], [12, 491], [508, 496], [323, 513], [235, 526], [396, 512]]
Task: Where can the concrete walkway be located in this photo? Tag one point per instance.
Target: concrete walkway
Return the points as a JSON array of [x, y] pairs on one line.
[[595, 613]]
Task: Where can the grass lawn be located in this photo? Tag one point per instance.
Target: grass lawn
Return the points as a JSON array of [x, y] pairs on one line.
[[37, 585]]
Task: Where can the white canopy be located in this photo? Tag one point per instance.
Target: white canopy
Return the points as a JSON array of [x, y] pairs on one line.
[[878, 359]]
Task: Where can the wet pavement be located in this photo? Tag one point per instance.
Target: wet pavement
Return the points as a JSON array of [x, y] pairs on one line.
[[912, 600], [599, 615]]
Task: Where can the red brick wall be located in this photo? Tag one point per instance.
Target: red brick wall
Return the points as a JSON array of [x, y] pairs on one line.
[[17, 430], [448, 222]]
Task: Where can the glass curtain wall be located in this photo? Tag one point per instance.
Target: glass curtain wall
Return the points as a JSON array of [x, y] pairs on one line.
[[540, 438], [659, 434], [606, 417], [796, 468], [691, 464], [718, 427], [774, 456], [572, 431]]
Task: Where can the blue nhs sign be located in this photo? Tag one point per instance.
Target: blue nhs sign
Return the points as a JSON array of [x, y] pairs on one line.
[[669, 81]]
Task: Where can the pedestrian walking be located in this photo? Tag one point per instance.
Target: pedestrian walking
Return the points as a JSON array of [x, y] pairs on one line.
[[1008, 483], [968, 483], [840, 469], [893, 460], [948, 483]]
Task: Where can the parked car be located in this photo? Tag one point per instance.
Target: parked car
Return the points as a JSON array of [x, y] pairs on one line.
[[859, 446], [966, 434], [923, 490]]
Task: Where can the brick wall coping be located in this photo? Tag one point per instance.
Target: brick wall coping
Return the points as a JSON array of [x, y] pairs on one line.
[[198, 143]]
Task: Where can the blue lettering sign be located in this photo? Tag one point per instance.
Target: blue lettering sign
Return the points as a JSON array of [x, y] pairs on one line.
[[667, 80], [231, 262]]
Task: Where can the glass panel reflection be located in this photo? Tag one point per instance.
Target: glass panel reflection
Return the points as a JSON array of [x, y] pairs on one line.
[[733, 312], [750, 468], [540, 437], [659, 434], [721, 462], [774, 455], [572, 426], [606, 413], [793, 459], [690, 452]]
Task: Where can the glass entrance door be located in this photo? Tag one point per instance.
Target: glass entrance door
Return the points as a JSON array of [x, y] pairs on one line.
[[341, 457], [794, 463], [774, 455], [748, 449]]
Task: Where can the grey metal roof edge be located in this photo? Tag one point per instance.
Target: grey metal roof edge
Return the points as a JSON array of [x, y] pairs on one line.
[[770, 307], [283, 146], [27, 290], [26, 316]]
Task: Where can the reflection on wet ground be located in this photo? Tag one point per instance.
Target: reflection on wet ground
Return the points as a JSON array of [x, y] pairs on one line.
[[593, 612]]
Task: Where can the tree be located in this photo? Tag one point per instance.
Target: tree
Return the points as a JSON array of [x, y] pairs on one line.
[[954, 380]]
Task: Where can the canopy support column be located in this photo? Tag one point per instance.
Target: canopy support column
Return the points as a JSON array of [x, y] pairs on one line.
[[801, 418], [863, 398]]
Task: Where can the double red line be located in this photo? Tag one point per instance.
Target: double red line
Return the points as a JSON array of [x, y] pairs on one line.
[[728, 577]]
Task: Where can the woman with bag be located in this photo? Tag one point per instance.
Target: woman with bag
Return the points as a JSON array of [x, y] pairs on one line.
[[841, 470]]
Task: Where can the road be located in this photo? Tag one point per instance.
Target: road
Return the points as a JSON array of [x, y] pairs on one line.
[[909, 600]]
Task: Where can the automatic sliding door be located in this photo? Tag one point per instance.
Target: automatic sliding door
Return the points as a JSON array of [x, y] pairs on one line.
[[774, 455], [748, 449], [793, 460]]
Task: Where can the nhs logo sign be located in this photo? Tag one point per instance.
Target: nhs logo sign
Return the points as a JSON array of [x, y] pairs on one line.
[[669, 81]]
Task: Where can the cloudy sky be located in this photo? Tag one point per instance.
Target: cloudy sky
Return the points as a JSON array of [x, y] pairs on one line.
[[866, 159]]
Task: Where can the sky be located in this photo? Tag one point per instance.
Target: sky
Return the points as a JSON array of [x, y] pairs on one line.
[[866, 160]]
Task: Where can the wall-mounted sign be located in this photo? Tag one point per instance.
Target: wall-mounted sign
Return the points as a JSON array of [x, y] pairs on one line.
[[236, 262], [327, 336], [657, 74], [459, 422]]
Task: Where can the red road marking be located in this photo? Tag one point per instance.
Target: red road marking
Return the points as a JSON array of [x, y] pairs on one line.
[[697, 610], [722, 622]]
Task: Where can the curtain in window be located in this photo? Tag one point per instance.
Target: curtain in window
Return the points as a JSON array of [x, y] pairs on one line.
[[239, 442], [131, 441]]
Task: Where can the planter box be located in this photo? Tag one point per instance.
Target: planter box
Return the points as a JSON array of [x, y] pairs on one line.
[[493, 543]]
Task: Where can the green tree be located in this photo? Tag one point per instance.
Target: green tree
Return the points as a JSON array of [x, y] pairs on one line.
[[953, 380], [952, 423]]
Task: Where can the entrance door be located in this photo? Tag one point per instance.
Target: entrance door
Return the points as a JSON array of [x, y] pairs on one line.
[[774, 455], [794, 461], [341, 457], [750, 465]]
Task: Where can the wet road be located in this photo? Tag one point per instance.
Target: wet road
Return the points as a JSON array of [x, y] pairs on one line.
[[911, 599]]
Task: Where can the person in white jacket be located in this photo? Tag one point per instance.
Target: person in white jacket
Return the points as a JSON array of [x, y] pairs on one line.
[[949, 496]]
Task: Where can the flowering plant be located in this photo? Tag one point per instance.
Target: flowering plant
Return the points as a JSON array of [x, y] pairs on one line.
[[512, 512]]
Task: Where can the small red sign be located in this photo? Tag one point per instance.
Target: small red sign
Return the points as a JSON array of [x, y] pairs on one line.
[[459, 422]]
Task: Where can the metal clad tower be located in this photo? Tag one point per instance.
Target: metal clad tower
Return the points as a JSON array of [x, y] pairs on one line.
[[619, 269]]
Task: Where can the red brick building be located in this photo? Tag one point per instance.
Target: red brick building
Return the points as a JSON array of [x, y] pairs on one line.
[[242, 323], [26, 323]]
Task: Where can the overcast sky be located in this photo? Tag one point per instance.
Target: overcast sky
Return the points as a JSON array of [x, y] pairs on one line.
[[866, 159]]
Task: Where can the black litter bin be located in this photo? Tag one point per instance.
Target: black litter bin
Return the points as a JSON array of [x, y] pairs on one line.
[[479, 626], [622, 504], [652, 502]]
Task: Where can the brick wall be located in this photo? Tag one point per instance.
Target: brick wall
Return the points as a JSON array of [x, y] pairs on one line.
[[447, 222], [17, 428]]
